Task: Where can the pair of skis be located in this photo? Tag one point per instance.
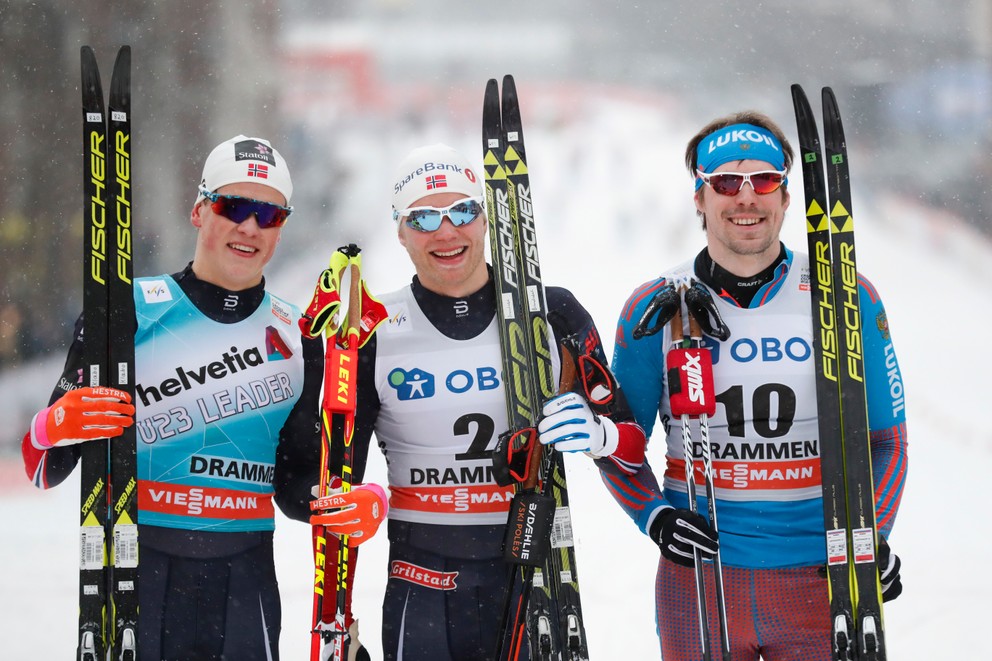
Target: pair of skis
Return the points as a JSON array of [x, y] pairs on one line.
[[845, 456], [334, 634], [108, 577], [542, 603]]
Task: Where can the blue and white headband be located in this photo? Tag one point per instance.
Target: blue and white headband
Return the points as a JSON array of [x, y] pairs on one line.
[[738, 142]]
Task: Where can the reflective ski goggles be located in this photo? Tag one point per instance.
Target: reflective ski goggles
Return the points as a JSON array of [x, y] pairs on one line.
[[428, 219], [238, 209], [731, 183]]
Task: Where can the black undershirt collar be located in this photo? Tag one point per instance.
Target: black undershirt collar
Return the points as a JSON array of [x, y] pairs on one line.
[[726, 283], [460, 318], [219, 304]]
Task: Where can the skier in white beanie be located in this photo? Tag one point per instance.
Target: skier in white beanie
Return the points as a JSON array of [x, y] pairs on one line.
[[431, 388], [246, 160]]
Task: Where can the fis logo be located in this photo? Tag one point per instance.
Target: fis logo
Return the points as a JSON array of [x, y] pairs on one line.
[[155, 291], [397, 319]]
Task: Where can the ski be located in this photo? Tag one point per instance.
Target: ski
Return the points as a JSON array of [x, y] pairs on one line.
[[93, 512], [108, 581], [857, 632], [542, 601], [334, 633], [123, 450]]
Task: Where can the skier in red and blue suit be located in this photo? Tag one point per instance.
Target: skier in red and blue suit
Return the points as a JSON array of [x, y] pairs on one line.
[[764, 435]]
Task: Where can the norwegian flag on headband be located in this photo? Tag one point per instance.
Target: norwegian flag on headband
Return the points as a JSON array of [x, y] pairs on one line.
[[436, 181], [258, 170]]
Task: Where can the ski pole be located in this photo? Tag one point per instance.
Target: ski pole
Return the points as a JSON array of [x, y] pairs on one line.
[[696, 342], [690, 480]]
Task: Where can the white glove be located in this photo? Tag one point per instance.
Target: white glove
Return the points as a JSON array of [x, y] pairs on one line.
[[569, 425]]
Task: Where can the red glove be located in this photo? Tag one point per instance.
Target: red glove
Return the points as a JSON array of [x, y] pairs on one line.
[[83, 414], [356, 513]]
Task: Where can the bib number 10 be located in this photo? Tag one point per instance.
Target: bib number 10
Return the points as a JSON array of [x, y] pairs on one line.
[[773, 410]]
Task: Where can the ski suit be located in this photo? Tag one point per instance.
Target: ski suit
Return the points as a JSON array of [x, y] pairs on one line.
[[430, 388], [224, 385]]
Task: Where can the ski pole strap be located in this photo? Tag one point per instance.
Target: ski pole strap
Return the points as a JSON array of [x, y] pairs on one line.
[[513, 456], [704, 313], [321, 315], [664, 304], [595, 380]]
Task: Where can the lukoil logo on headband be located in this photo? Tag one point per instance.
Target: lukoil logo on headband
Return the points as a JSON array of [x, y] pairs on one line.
[[741, 135]]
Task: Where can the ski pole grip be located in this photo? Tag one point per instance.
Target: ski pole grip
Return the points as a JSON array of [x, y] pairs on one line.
[[534, 458], [565, 383], [676, 322], [350, 330], [568, 368], [695, 330]]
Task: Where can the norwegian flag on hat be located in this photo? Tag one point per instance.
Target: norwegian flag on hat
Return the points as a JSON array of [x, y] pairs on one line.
[[436, 181], [258, 170]]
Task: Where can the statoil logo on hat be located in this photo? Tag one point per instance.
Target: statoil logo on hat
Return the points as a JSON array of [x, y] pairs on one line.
[[254, 150], [246, 160]]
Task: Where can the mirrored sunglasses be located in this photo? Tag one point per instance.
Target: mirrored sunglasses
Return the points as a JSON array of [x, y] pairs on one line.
[[428, 219], [731, 183], [238, 209]]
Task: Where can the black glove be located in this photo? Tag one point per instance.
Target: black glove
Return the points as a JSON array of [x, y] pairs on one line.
[[888, 571], [679, 531]]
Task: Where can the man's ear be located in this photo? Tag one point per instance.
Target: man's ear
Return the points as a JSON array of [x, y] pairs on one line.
[[195, 216], [698, 199]]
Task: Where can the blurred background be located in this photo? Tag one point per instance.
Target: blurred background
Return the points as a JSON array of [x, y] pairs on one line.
[[342, 89], [610, 94]]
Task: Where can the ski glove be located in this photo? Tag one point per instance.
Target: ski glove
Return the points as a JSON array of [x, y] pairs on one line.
[[83, 414], [888, 571], [569, 425], [679, 531], [356, 513]]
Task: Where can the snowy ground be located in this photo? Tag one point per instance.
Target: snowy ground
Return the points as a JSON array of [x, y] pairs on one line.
[[626, 213]]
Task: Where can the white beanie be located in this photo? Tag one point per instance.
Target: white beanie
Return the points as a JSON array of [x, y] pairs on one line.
[[433, 169], [246, 160]]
